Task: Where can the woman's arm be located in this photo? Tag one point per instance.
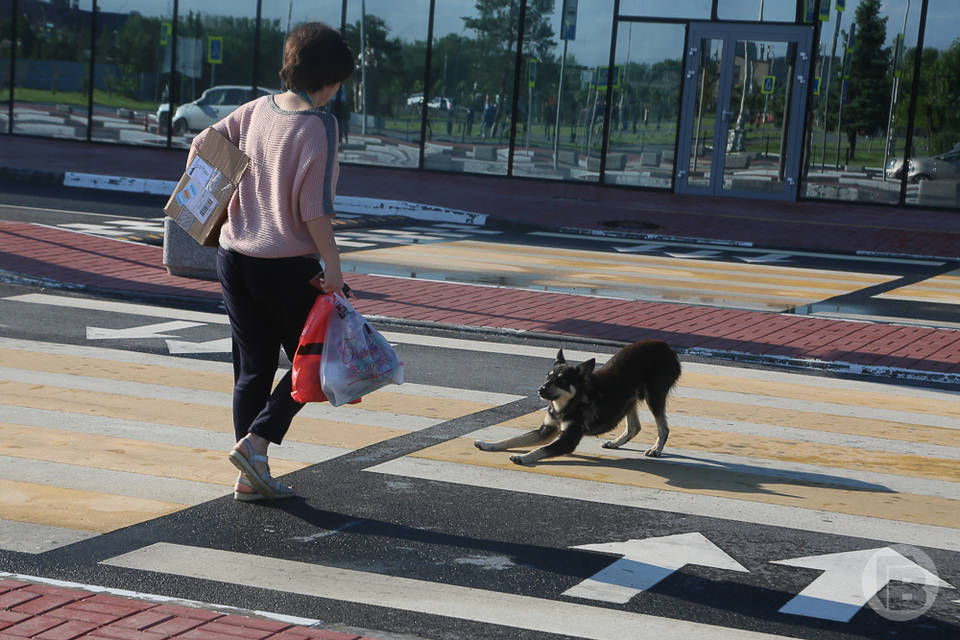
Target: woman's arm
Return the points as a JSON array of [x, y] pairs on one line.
[[321, 230]]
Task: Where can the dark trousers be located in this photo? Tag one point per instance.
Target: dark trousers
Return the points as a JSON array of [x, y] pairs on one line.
[[267, 300]]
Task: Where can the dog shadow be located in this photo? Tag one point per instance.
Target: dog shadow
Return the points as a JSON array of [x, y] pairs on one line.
[[705, 474]]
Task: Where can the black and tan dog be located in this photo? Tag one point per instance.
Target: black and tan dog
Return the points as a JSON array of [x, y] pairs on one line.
[[584, 401]]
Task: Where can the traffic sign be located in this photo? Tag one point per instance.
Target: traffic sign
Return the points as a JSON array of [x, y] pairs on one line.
[[568, 20], [769, 82], [215, 49], [166, 29]]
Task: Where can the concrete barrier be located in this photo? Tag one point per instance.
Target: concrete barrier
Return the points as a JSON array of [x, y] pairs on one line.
[[736, 161], [615, 162], [484, 152], [567, 156], [939, 193], [183, 256], [650, 158]]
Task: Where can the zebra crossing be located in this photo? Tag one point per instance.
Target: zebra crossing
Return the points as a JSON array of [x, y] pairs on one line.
[[98, 439], [349, 238], [764, 466]]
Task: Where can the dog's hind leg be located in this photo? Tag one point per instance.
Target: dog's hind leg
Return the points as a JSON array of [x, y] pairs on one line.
[[530, 438], [632, 429], [657, 403]]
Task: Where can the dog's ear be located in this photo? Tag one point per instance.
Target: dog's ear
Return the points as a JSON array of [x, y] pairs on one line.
[[587, 367], [560, 359]]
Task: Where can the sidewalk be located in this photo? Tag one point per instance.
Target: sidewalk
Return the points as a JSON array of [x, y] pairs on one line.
[[46, 256], [49, 612]]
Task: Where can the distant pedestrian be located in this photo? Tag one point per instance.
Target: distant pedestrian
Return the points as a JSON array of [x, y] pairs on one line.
[[342, 113], [489, 117], [278, 222]]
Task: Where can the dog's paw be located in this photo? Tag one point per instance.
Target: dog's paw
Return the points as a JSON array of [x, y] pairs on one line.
[[483, 446], [652, 453], [609, 444], [518, 460]]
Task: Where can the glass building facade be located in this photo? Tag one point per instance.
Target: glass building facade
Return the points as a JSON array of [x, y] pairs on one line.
[[841, 100]]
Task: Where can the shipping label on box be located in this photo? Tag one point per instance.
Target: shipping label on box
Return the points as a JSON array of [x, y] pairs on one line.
[[199, 202]]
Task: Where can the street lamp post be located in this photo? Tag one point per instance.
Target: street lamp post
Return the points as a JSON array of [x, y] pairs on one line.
[[363, 64], [899, 47]]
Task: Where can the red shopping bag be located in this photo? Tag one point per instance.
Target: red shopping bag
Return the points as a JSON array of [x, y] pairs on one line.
[[306, 361]]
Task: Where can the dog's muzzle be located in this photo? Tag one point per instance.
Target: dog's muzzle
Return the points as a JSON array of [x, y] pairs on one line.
[[544, 393]]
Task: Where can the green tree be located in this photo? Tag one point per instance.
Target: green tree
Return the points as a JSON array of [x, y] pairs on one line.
[[383, 61], [495, 24], [868, 91]]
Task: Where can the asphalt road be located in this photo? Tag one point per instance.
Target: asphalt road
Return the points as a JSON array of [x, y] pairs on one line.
[[791, 505], [404, 526]]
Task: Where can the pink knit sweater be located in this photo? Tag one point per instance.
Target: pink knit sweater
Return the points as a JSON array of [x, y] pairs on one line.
[[292, 178]]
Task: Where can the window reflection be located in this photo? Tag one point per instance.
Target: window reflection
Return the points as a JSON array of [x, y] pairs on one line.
[[933, 171], [383, 126], [858, 115], [470, 110], [560, 122], [643, 116], [213, 74], [695, 9], [52, 85], [758, 10]]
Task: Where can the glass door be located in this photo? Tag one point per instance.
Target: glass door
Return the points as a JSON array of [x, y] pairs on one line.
[[741, 126]]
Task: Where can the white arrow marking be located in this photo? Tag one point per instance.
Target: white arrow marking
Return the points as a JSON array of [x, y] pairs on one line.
[[639, 248], [767, 257], [646, 562], [220, 345], [146, 331], [695, 254], [850, 579]]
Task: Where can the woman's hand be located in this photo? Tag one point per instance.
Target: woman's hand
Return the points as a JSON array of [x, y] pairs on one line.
[[328, 281]]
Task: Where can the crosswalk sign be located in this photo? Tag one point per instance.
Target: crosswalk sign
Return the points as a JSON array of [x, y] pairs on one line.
[[215, 50], [165, 29], [816, 85], [769, 82]]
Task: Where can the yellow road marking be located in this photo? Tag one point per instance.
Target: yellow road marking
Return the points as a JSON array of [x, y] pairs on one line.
[[785, 450], [382, 400], [76, 509], [127, 455], [587, 265], [938, 289], [719, 482], [184, 414], [892, 399], [852, 425]]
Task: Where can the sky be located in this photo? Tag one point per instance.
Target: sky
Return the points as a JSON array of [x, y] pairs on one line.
[[593, 24]]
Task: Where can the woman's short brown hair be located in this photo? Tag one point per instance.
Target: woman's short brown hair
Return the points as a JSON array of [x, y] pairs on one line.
[[315, 55]]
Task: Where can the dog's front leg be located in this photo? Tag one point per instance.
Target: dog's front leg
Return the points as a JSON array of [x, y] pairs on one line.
[[633, 428], [530, 438], [570, 436]]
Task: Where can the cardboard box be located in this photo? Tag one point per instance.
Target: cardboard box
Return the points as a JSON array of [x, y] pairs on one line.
[[199, 203]]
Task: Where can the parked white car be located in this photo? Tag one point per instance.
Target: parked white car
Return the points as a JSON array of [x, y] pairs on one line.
[[213, 105]]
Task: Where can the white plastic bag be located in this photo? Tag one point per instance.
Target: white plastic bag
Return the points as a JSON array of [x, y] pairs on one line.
[[356, 358]]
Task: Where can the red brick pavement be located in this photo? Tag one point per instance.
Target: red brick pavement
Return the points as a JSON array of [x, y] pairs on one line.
[[43, 612], [106, 265]]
